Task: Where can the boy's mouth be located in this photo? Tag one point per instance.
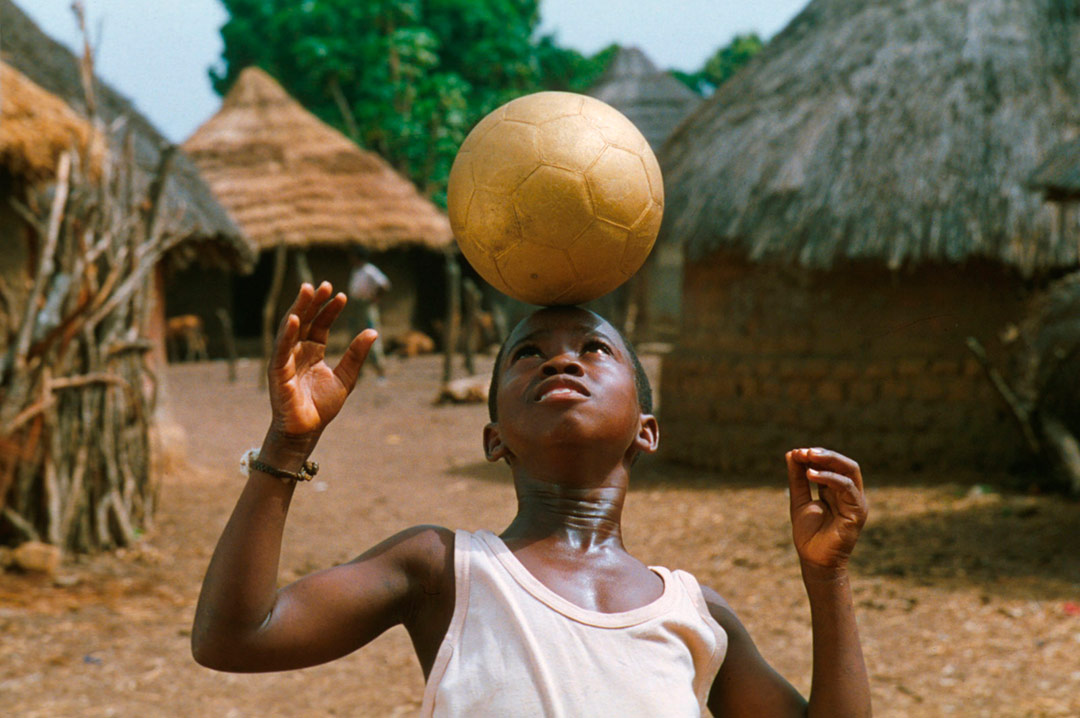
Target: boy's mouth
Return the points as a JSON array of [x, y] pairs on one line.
[[560, 387]]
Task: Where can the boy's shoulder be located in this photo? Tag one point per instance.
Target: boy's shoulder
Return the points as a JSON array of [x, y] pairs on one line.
[[425, 545], [424, 556], [723, 613]]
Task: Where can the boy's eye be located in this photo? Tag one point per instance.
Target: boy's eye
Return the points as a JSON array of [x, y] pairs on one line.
[[595, 345], [525, 351]]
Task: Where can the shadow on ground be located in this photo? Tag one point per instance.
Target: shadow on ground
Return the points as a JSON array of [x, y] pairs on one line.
[[1018, 547]]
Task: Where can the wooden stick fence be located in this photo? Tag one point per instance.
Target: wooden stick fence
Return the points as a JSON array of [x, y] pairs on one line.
[[77, 393]]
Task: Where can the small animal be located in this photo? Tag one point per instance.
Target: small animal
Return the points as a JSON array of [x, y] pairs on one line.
[[410, 344], [185, 332]]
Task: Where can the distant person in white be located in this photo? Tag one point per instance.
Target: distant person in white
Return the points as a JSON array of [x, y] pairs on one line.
[[367, 285]]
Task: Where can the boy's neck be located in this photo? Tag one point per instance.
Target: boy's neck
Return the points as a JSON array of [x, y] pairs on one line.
[[580, 519]]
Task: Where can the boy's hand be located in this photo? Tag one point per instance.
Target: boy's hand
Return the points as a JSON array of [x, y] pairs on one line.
[[305, 393], [825, 530]]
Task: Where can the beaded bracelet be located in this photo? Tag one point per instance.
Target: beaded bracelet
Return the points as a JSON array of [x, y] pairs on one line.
[[250, 460]]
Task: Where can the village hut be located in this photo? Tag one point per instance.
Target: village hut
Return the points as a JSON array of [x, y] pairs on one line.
[[853, 208], [212, 239], [656, 103], [294, 183], [82, 237], [649, 97], [36, 128], [1058, 178]]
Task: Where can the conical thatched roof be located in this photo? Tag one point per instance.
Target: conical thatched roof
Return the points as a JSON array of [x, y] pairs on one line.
[[36, 127], [187, 199], [652, 99], [1059, 175], [287, 177], [899, 131]]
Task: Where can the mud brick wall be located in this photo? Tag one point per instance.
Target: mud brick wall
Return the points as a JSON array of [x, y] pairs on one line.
[[867, 361]]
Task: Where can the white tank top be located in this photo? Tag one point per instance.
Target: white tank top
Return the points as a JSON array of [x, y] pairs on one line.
[[516, 648]]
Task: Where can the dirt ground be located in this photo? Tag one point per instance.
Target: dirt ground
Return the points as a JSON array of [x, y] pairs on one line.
[[967, 599]]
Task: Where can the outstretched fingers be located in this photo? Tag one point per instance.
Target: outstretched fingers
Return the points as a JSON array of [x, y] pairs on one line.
[[319, 331], [348, 369], [288, 335], [313, 308]]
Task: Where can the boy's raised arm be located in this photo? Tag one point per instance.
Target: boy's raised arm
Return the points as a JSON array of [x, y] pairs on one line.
[[825, 531], [242, 622]]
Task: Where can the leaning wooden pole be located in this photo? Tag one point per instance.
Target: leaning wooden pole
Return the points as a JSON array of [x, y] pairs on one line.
[[228, 336], [450, 328], [470, 322]]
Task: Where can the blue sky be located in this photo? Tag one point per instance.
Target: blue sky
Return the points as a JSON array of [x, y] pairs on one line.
[[157, 51]]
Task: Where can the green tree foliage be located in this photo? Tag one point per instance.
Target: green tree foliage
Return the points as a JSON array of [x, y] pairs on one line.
[[405, 78], [569, 70], [723, 64]]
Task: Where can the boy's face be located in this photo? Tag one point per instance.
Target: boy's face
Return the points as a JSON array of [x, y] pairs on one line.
[[566, 377]]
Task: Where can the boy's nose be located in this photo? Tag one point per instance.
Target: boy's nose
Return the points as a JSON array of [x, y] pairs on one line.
[[565, 363]]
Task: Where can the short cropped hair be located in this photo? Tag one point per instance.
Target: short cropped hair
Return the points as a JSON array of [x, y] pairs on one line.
[[641, 379]]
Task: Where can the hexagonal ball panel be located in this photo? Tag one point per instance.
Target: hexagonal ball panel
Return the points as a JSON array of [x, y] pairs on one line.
[[484, 264], [541, 107], [656, 178], [553, 206], [597, 255], [619, 186], [641, 239], [615, 128], [477, 133], [570, 142], [506, 155], [536, 274], [459, 191], [491, 224]]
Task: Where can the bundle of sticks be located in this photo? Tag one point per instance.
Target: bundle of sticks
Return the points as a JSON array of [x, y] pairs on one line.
[[77, 392]]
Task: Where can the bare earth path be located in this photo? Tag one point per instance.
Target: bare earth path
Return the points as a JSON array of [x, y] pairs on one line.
[[967, 602]]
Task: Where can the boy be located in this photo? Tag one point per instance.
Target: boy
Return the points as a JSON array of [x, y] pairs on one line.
[[552, 617]]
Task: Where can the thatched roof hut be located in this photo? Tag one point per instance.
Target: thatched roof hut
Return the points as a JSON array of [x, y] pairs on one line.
[[288, 178], [295, 183], [899, 132], [656, 103], [187, 199], [855, 209], [652, 99], [36, 128]]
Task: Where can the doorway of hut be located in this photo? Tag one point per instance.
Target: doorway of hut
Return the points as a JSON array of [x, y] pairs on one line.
[[417, 298]]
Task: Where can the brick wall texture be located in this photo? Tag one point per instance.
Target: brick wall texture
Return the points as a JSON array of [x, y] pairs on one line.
[[866, 361]]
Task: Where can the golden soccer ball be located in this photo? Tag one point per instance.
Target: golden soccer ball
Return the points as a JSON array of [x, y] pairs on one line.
[[555, 198]]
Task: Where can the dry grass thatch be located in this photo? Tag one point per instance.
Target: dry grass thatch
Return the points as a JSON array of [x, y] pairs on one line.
[[187, 203], [1059, 175], [288, 178], [36, 128], [900, 132], [652, 99]]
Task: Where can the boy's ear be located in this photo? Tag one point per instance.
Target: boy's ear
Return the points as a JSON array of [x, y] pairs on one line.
[[648, 436], [494, 448]]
